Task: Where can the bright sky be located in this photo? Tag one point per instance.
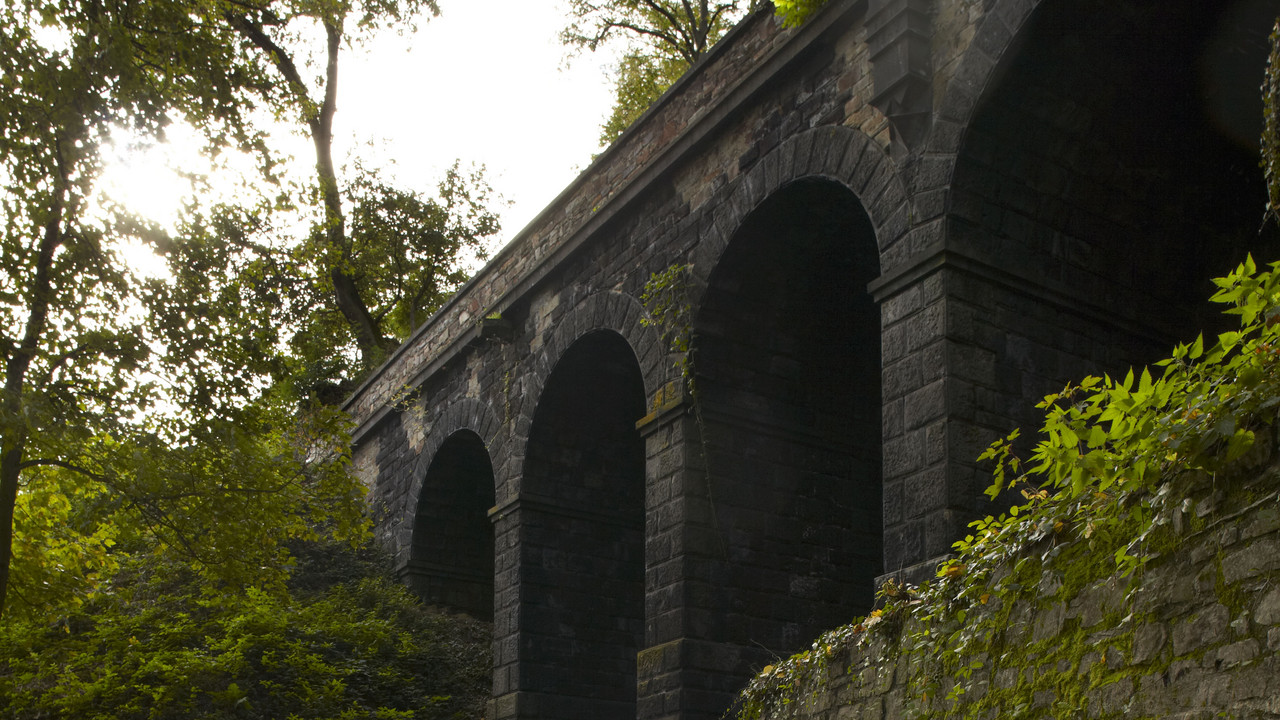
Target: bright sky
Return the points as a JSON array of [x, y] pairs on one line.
[[484, 82]]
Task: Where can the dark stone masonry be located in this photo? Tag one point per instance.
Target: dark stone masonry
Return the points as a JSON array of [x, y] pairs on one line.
[[1195, 635], [906, 221]]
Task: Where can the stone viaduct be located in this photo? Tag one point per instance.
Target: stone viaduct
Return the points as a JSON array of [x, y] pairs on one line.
[[903, 222]]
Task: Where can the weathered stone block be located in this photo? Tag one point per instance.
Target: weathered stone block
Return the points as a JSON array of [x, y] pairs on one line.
[[1148, 642], [1259, 556], [1203, 629], [1236, 654]]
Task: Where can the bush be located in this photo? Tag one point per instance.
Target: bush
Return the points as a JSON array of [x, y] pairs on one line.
[[343, 641]]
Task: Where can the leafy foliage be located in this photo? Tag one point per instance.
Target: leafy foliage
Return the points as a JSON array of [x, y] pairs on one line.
[[640, 81], [795, 12], [228, 499], [340, 265], [344, 641], [159, 459], [270, 294], [405, 258], [681, 29], [103, 422], [407, 249], [662, 39], [1116, 466], [185, 415], [666, 299], [1113, 445]]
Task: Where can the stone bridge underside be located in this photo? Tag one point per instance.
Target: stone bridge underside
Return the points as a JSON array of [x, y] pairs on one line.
[[905, 222]]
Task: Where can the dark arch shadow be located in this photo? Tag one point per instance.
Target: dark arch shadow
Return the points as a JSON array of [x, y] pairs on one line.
[[1100, 158], [582, 534], [1102, 179], [606, 311], [451, 556], [787, 369]]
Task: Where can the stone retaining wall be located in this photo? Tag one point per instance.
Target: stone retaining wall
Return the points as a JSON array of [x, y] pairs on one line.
[[1195, 635]]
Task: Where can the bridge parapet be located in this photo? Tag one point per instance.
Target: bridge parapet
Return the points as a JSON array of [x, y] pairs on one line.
[[597, 195]]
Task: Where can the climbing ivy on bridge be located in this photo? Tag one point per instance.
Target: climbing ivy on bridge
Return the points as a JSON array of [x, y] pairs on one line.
[[666, 299], [1121, 469], [1119, 465]]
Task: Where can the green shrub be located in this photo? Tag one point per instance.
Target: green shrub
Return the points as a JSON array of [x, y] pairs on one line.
[[345, 641]]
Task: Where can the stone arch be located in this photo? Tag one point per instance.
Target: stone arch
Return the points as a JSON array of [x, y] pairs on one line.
[[605, 310], [465, 414], [1107, 156], [997, 42], [451, 554], [842, 154], [787, 364], [581, 516], [993, 38], [450, 549], [977, 69]]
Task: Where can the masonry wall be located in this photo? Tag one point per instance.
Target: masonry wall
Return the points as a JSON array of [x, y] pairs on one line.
[[1092, 189], [1196, 635], [894, 111]]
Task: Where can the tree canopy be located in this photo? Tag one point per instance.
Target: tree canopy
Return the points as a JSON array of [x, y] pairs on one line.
[[77, 352], [662, 39], [377, 259], [343, 259], [179, 414], [795, 12]]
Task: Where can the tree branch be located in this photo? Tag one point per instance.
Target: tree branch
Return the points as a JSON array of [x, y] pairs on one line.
[[14, 442], [283, 63], [667, 38], [52, 462], [686, 49], [320, 121]]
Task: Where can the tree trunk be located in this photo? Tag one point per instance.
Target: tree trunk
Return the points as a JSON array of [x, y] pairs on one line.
[[14, 442], [346, 294], [10, 468]]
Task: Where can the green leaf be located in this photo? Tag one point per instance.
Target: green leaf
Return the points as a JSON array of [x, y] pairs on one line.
[[1097, 436], [1240, 443], [1144, 385], [1197, 348]]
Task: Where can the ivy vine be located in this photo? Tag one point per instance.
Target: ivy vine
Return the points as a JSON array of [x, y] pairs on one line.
[[1121, 470], [1118, 465], [667, 300]]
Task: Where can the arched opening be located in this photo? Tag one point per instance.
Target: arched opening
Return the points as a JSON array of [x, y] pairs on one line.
[[1109, 172], [787, 370], [582, 535], [451, 562]]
